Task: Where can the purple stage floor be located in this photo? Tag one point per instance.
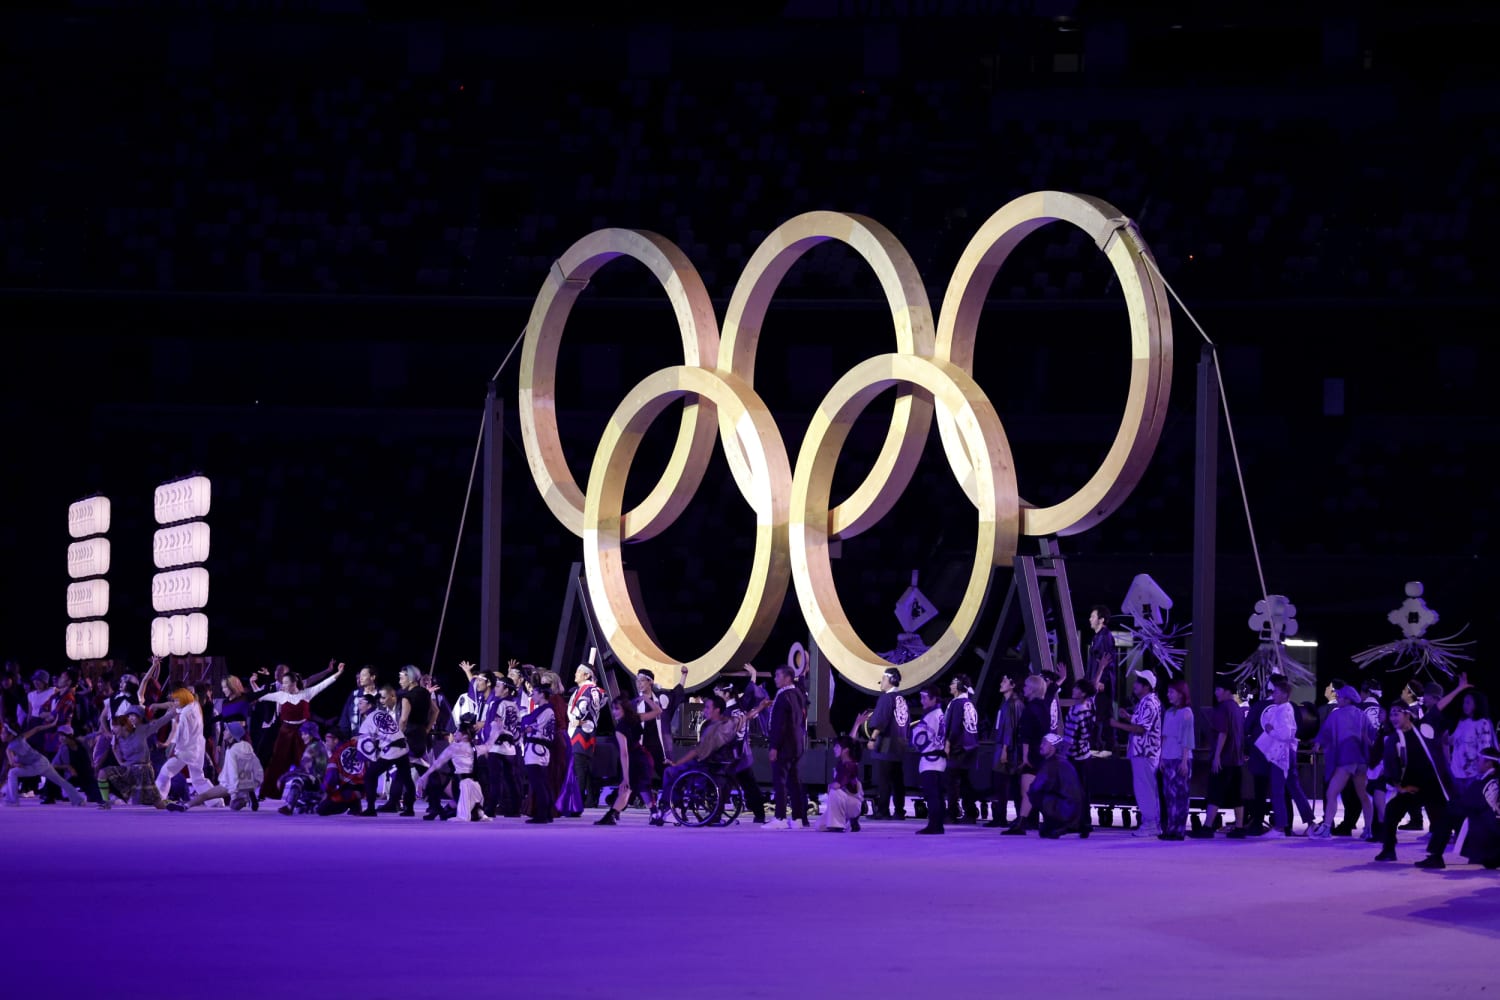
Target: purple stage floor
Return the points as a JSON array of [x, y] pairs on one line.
[[139, 903]]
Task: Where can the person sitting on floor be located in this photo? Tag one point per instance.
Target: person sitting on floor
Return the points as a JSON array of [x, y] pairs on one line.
[[1057, 794], [131, 777], [240, 778], [27, 762], [846, 798], [343, 778], [302, 786]]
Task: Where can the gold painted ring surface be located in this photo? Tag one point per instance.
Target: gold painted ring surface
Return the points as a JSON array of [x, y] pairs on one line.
[[604, 532], [911, 316], [932, 373], [1150, 348], [956, 396], [538, 399]]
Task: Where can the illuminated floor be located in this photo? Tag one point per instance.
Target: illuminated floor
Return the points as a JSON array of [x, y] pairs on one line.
[[137, 903]]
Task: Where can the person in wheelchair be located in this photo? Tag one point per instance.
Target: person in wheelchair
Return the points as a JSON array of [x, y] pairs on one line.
[[743, 714], [714, 753]]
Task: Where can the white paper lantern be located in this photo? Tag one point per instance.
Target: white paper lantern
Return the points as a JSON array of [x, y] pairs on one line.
[[194, 633], [88, 517], [180, 545], [180, 589], [161, 637], [177, 640], [90, 558], [179, 635], [183, 500], [88, 640], [88, 599]]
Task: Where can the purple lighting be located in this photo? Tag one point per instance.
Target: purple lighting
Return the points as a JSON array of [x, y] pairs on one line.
[[127, 903]]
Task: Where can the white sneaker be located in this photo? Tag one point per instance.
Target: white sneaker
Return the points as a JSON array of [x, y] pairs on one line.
[[1144, 832], [1319, 831], [778, 824], [1273, 835]]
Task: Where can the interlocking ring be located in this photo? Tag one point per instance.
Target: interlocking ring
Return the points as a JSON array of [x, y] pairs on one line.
[[960, 399], [604, 531], [1150, 347], [794, 523], [700, 342], [911, 417]]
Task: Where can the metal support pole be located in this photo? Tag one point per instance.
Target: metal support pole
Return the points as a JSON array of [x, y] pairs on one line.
[[489, 583], [1205, 528], [820, 677], [819, 688]]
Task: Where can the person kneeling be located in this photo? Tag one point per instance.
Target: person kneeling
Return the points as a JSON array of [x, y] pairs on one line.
[[342, 789], [301, 787], [26, 762], [239, 780], [846, 799], [460, 751], [1479, 803], [133, 779], [1057, 794]]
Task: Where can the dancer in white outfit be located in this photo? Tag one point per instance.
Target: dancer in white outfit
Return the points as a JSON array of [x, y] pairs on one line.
[[460, 751], [187, 747]]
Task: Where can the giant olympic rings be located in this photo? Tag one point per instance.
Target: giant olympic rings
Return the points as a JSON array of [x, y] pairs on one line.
[[932, 369]]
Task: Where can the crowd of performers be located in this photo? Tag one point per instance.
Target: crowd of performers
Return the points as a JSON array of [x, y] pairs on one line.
[[1427, 751], [521, 744], [513, 744]]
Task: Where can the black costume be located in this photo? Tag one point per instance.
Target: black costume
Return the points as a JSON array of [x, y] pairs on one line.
[[1057, 795], [788, 734], [961, 733], [1415, 766], [888, 757]]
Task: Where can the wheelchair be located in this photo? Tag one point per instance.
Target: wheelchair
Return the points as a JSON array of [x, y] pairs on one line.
[[706, 796]]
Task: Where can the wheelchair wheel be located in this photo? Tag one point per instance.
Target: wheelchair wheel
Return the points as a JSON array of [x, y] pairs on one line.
[[734, 804], [696, 799]]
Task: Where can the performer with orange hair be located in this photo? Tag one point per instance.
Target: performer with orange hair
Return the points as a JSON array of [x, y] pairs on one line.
[[187, 746]]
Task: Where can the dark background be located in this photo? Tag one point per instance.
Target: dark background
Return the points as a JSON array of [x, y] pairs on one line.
[[286, 244]]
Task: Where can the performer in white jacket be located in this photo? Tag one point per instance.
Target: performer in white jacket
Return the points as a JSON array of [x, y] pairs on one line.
[[461, 752], [240, 779], [187, 746], [1278, 742]]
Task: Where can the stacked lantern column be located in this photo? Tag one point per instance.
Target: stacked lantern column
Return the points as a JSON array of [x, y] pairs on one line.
[[180, 591], [88, 593]]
